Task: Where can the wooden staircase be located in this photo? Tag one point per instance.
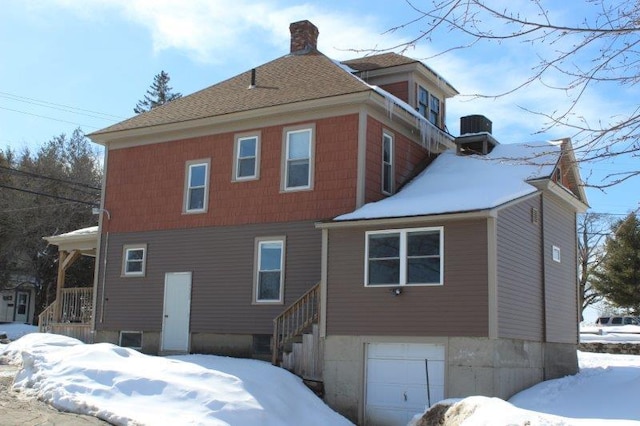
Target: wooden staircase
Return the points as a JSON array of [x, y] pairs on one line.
[[296, 337]]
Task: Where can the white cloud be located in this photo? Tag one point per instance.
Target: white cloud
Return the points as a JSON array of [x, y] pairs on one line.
[[252, 32]]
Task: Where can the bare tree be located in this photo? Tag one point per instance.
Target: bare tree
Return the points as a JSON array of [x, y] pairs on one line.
[[599, 49], [593, 229]]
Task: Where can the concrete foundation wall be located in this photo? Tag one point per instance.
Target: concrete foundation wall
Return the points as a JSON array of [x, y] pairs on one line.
[[560, 359], [150, 340], [474, 366], [500, 368], [236, 345]]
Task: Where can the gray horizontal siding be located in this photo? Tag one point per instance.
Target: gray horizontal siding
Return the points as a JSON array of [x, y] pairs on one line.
[[221, 260], [560, 278], [458, 308], [519, 273]]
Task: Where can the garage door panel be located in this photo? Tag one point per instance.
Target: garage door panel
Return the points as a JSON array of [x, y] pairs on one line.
[[386, 417], [386, 350], [396, 387], [419, 351], [386, 371], [384, 395]]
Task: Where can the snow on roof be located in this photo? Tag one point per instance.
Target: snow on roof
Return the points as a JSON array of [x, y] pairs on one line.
[[457, 183], [78, 232]]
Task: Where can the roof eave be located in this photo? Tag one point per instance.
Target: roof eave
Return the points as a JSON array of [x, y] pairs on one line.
[[202, 126], [405, 220], [561, 192]]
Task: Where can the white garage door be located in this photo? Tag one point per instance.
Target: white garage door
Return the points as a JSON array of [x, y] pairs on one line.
[[396, 381]]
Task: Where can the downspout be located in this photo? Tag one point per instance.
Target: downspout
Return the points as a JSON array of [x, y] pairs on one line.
[[544, 287]]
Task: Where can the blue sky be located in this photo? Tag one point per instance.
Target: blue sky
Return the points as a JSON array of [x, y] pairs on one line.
[[90, 61]]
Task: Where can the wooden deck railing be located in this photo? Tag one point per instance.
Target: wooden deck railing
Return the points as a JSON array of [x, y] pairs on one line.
[[295, 319], [77, 305], [76, 308], [45, 319], [72, 318]]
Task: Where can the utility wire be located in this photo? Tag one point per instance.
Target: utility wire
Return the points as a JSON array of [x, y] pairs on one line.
[[47, 195], [40, 176], [54, 105], [36, 207], [49, 118]]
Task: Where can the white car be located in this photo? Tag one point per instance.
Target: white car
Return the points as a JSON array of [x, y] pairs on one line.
[[617, 321]]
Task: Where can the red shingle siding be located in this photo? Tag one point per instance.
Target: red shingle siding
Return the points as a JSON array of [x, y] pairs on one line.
[[409, 159], [400, 89], [145, 184]]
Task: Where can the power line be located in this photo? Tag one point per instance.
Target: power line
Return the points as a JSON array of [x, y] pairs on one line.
[[49, 118], [47, 195], [40, 176], [46, 103], [34, 208]]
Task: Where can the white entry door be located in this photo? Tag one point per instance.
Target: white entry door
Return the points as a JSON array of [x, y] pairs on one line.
[[176, 312], [396, 381]]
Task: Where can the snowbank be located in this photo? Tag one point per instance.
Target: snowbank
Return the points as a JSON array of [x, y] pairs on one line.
[[123, 386]]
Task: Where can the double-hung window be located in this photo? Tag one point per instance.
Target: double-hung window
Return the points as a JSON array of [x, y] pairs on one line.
[[298, 167], [423, 101], [197, 185], [247, 158], [134, 260], [429, 106], [400, 257], [434, 110], [387, 163], [269, 276]]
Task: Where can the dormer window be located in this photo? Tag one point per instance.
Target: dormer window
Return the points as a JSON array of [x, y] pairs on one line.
[[429, 106]]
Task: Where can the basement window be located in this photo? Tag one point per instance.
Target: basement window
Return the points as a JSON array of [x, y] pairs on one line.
[[131, 339], [261, 344]]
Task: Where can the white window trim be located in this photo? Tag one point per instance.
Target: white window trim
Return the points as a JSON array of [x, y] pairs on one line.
[[386, 134], [256, 269], [187, 181], [236, 157], [403, 256], [556, 254], [125, 255], [285, 157]]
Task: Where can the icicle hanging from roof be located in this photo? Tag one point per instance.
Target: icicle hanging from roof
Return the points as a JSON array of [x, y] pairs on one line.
[[390, 105]]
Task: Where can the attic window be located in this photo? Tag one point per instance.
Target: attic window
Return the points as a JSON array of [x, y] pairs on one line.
[[557, 175]]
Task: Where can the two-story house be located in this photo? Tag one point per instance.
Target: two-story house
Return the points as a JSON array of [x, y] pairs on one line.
[[258, 195]]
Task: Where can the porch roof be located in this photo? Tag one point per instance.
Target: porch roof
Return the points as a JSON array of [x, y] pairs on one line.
[[84, 240]]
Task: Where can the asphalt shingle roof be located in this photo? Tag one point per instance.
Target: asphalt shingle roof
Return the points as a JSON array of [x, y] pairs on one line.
[[288, 79]]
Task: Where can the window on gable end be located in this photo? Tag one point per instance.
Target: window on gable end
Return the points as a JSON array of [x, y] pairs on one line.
[[401, 257], [298, 159], [387, 164], [196, 186], [247, 158]]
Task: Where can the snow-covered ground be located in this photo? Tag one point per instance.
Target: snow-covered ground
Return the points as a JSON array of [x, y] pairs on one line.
[[125, 387]]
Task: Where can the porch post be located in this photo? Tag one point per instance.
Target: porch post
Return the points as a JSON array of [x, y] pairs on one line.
[[62, 256]]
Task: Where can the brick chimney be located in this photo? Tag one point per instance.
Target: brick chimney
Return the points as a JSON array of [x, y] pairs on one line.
[[304, 37]]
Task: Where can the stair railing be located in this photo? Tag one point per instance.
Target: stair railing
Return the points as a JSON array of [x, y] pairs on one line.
[[295, 319]]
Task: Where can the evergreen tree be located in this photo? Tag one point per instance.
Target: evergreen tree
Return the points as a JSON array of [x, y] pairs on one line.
[[618, 278], [158, 94]]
